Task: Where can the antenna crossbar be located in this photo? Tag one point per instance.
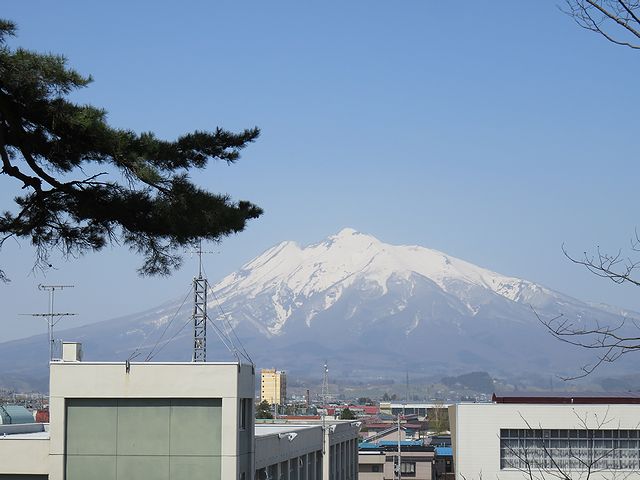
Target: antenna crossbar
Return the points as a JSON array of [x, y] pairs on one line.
[[52, 322]]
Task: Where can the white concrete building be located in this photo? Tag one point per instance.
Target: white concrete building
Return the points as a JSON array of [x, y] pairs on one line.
[[24, 451], [547, 436], [117, 421], [288, 451], [298, 451], [167, 421]]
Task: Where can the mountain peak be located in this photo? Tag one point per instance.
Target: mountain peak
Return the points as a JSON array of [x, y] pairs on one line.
[[291, 276], [352, 238], [346, 232]]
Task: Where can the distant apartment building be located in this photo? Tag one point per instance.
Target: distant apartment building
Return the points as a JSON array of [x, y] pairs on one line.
[[551, 435], [273, 386]]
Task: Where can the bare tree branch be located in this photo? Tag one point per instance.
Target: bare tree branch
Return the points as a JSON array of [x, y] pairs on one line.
[[609, 342], [616, 20]]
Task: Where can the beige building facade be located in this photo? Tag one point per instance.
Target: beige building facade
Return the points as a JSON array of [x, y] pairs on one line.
[[151, 420], [380, 464], [273, 386], [137, 421]]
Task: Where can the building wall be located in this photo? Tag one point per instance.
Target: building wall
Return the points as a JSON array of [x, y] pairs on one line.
[[151, 394], [338, 459], [273, 386], [476, 428], [299, 457], [24, 457], [341, 444], [371, 465], [169, 438], [421, 461]]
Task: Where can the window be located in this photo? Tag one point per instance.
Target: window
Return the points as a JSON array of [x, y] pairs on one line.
[[375, 468], [244, 413], [408, 468], [569, 449]]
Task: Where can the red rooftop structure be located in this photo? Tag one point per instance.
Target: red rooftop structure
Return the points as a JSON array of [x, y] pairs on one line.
[[568, 397]]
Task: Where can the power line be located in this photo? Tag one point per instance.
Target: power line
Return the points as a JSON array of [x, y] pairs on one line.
[[166, 328], [226, 323], [225, 318], [150, 357]]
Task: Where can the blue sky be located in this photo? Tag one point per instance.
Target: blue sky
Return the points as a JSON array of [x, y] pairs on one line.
[[494, 131]]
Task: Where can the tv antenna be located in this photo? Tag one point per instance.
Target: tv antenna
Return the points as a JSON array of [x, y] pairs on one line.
[[52, 317]]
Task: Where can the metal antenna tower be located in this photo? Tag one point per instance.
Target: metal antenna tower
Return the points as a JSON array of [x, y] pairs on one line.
[[325, 385], [200, 317], [52, 317], [325, 395]]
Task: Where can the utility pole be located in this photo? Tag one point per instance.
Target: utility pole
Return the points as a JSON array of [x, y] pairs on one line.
[[399, 464], [52, 315], [325, 395], [275, 393], [406, 397]]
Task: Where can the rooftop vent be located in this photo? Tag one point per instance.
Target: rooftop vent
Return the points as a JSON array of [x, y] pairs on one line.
[[71, 352]]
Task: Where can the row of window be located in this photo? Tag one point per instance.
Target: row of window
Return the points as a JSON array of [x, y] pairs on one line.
[[567, 433], [569, 449], [406, 468], [297, 469]]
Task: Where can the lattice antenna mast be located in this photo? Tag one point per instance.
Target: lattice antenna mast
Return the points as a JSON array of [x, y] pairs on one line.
[[324, 394], [325, 385], [200, 317], [52, 316]]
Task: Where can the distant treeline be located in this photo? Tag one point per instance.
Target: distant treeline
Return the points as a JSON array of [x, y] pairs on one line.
[[476, 381]]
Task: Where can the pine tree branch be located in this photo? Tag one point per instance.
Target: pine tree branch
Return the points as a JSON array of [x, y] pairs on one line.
[[12, 170], [156, 210]]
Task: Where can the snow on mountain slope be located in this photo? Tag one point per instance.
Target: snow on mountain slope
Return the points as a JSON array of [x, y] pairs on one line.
[[292, 274], [366, 305]]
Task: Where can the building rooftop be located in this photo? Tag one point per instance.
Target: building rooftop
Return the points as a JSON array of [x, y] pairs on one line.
[[24, 431], [444, 452], [263, 430], [403, 443], [409, 405], [13, 414], [568, 397]]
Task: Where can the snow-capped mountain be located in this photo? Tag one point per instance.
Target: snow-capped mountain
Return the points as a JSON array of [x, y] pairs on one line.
[[311, 280], [367, 307]]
